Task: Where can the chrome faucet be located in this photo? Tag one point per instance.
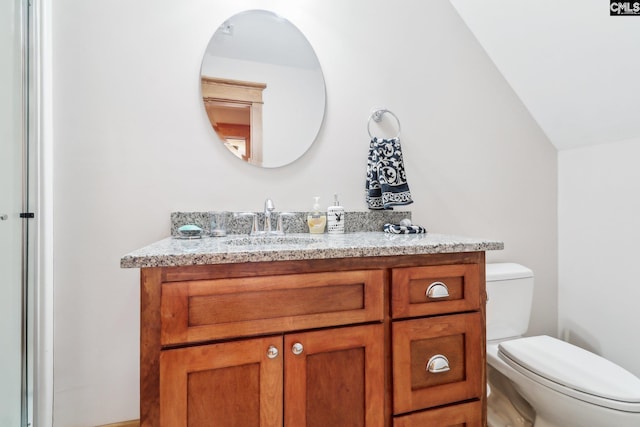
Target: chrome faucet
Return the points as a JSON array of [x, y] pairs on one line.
[[268, 208]]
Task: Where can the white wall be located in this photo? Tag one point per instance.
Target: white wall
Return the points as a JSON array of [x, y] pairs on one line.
[[599, 223], [558, 58], [133, 143]]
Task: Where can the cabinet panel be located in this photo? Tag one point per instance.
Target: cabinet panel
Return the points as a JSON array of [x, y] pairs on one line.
[[369, 334], [411, 295], [462, 415], [232, 384], [415, 342], [196, 311], [337, 379]]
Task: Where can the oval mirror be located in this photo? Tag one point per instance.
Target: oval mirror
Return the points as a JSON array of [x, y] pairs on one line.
[[263, 88]]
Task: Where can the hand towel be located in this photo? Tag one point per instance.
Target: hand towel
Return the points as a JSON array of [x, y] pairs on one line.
[[404, 229], [386, 184]]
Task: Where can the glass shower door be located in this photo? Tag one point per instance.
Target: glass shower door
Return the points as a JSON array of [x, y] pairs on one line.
[[12, 189]]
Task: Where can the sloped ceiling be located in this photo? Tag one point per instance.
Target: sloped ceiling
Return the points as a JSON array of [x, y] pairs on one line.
[[576, 68]]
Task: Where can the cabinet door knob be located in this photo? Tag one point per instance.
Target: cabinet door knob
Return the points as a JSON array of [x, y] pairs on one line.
[[437, 290], [272, 352], [438, 364], [297, 348], [4, 217]]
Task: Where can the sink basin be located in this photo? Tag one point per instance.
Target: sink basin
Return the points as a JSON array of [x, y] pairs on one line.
[[271, 240]]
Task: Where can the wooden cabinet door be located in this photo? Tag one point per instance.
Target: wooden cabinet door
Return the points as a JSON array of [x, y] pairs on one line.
[[335, 377], [233, 384]]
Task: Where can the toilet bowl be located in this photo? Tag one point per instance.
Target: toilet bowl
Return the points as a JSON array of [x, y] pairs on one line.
[[565, 386]]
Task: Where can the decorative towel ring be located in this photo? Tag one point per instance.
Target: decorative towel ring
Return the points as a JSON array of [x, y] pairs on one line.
[[376, 116]]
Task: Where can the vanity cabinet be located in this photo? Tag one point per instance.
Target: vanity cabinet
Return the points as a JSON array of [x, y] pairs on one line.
[[330, 342]]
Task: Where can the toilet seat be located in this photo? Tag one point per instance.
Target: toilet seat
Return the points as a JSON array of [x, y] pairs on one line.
[[573, 371]]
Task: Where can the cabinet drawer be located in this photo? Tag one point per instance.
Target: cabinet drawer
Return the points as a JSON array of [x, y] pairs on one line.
[[425, 291], [465, 414], [458, 338], [202, 310]]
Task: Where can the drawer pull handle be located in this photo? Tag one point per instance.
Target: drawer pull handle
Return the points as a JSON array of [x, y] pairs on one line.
[[438, 364], [297, 348], [437, 290], [272, 352]]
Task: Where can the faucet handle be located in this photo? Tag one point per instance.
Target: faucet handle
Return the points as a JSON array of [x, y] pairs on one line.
[[254, 226], [268, 205], [280, 229]]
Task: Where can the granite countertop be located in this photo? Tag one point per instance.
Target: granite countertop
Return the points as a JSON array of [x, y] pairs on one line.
[[298, 246]]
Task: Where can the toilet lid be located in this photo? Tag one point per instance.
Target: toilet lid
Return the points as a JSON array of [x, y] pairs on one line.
[[574, 371]]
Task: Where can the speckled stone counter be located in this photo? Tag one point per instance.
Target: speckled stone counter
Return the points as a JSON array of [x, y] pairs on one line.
[[298, 246]]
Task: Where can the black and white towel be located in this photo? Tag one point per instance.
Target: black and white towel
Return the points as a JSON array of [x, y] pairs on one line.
[[403, 229], [386, 184]]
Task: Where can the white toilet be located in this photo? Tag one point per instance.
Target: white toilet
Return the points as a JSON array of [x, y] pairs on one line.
[[543, 381]]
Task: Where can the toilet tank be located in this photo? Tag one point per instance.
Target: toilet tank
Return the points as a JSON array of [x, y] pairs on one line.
[[509, 297]]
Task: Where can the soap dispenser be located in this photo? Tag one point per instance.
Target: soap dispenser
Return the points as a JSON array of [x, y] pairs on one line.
[[316, 220], [335, 217]]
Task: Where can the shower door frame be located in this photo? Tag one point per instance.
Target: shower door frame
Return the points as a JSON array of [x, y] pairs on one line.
[[17, 282], [36, 212]]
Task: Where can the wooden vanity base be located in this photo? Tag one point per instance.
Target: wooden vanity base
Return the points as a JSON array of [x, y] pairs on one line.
[[332, 342]]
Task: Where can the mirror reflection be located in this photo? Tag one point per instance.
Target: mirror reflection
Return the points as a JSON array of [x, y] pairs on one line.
[[263, 88]]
